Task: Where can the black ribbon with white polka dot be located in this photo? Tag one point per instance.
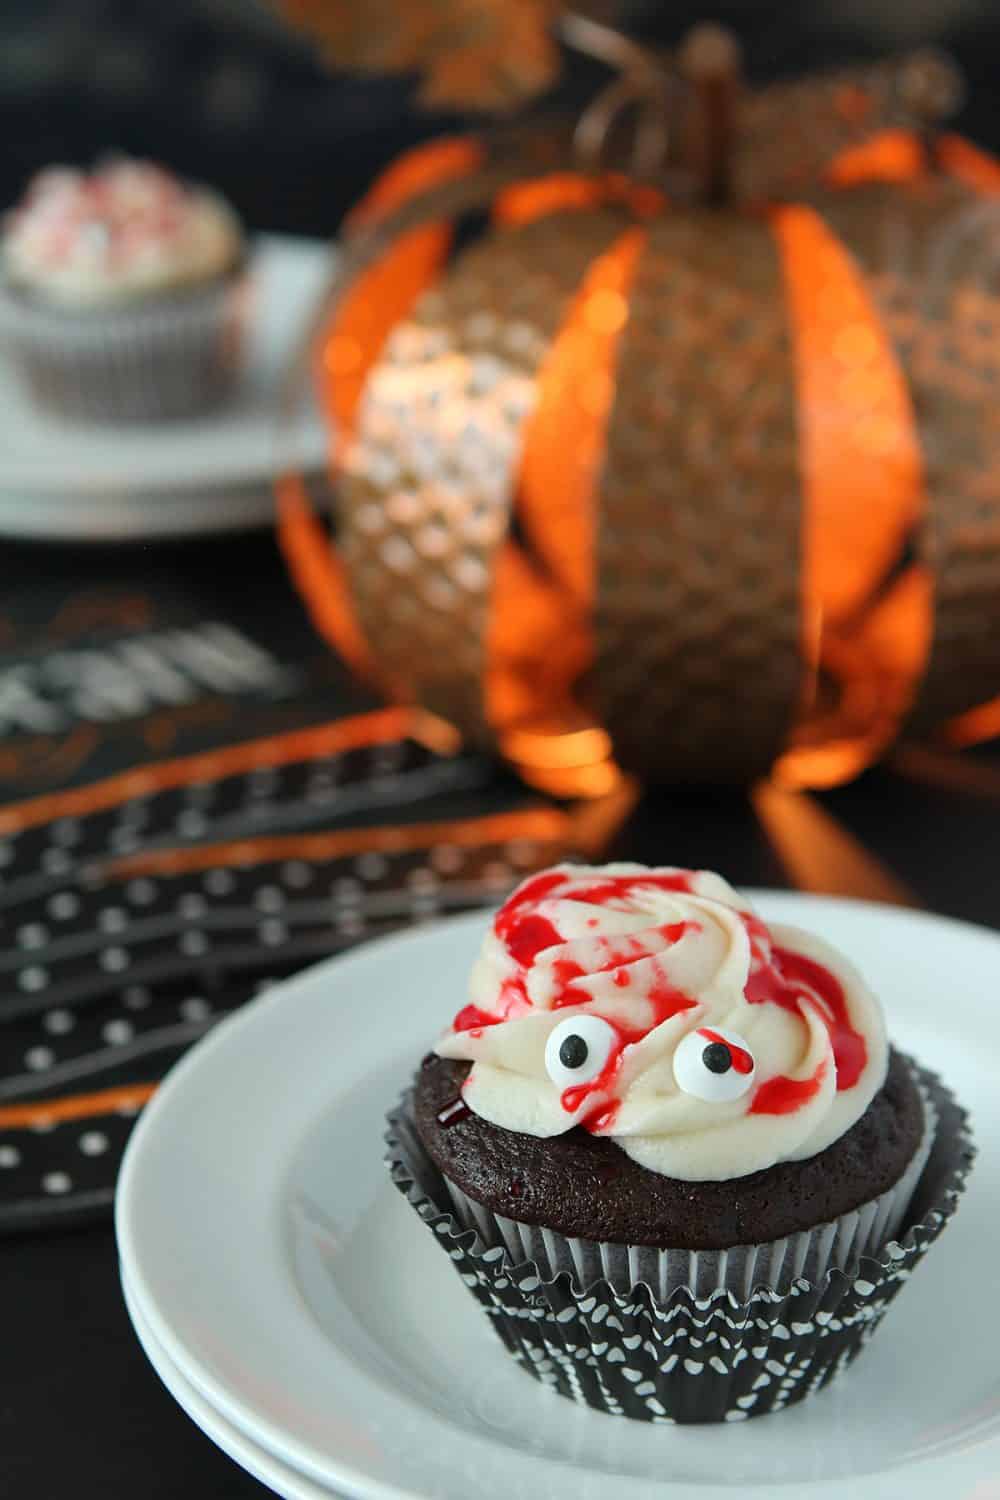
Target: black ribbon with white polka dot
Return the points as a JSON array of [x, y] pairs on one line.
[[135, 915]]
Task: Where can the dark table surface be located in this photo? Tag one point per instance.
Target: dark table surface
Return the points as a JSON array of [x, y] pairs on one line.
[[81, 1410]]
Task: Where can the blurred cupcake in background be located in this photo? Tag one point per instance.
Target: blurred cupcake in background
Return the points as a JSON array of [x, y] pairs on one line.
[[122, 292]]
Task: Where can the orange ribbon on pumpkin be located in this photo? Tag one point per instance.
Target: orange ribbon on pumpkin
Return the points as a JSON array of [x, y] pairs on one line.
[[863, 497]]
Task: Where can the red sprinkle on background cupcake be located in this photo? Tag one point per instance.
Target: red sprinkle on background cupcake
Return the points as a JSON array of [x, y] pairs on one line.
[[121, 292]]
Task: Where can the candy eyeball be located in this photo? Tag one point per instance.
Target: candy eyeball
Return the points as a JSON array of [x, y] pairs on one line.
[[714, 1065], [578, 1050]]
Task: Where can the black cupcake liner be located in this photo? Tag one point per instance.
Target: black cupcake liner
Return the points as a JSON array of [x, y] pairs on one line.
[[688, 1358]]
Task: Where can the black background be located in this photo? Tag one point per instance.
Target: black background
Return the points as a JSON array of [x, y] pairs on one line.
[[221, 90]]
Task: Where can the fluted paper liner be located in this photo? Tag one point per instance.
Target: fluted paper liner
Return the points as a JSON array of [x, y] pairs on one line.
[[678, 1336], [166, 357]]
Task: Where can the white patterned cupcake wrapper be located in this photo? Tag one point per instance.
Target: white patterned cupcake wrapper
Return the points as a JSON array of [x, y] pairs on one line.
[[170, 357], [683, 1340]]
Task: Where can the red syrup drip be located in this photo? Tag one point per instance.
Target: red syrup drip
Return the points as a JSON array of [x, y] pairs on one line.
[[527, 937], [783, 1096], [529, 894], [452, 1113], [849, 1050], [666, 1000], [514, 915], [525, 933], [513, 999], [785, 978], [742, 1061], [572, 1098], [617, 887], [566, 970], [602, 1123], [471, 1018]]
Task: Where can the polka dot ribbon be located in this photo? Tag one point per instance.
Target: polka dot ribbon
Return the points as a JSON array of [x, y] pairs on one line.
[[136, 913]]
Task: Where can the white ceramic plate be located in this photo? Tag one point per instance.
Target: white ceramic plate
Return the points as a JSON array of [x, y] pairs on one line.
[[64, 479], [297, 1293], [261, 1464]]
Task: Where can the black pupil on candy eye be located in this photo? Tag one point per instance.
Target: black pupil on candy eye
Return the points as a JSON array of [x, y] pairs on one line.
[[717, 1057], [574, 1052]]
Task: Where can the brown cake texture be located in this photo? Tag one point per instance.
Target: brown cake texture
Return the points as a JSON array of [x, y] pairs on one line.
[[585, 1186]]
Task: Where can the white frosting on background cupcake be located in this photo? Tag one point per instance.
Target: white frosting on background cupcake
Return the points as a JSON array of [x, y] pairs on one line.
[[125, 231]]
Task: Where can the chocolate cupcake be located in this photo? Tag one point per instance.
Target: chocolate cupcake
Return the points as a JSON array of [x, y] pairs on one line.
[[122, 292], [670, 1149]]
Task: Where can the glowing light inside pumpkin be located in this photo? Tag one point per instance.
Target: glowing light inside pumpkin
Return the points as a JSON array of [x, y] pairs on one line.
[[890, 156], [381, 296], [565, 435], [863, 491], [524, 201], [354, 339], [534, 712], [982, 174]]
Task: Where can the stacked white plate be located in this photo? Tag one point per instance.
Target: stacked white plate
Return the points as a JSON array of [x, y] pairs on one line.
[[305, 1319], [89, 481]]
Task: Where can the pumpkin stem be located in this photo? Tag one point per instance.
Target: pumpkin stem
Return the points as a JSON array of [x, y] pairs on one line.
[[929, 86], [710, 59]]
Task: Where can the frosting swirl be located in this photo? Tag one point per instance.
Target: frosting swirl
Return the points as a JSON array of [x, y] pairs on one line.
[[124, 230], [654, 1006]]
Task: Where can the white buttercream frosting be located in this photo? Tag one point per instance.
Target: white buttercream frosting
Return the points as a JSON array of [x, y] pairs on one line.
[[788, 1049], [124, 231]]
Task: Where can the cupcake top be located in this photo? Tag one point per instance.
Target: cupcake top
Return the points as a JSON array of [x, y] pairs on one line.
[[653, 1006], [127, 230]]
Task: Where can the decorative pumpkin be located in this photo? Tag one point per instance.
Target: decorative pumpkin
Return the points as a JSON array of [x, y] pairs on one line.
[[701, 474]]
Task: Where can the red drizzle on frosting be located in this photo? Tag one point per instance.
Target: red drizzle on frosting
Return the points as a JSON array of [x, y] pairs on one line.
[[618, 887], [849, 1050], [663, 997], [781, 977], [742, 1061], [602, 1123], [572, 1098], [529, 894], [783, 1096], [666, 1000], [525, 933], [526, 938], [471, 1018]]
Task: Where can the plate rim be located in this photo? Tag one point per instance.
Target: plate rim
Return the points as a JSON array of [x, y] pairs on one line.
[[355, 1480], [216, 1427], [227, 490]]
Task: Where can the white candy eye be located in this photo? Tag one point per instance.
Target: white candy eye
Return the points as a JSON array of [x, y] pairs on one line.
[[714, 1065], [578, 1049]]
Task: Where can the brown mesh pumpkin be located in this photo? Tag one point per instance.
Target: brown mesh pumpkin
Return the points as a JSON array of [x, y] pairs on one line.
[[708, 487]]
